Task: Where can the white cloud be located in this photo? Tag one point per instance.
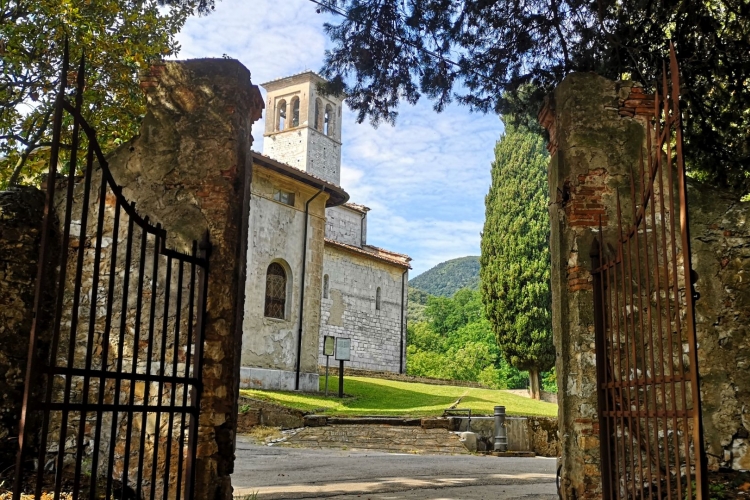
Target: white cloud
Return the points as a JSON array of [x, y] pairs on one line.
[[425, 179]]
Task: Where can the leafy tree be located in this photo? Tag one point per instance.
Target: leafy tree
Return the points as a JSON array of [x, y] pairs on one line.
[[515, 260], [456, 342], [118, 37], [505, 55]]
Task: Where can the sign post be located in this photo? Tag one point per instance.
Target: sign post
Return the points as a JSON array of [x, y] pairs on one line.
[[328, 348], [343, 353]]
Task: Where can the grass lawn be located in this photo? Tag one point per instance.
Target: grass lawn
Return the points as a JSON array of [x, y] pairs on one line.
[[372, 396]]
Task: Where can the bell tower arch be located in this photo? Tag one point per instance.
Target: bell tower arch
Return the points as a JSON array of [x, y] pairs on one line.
[[303, 127]]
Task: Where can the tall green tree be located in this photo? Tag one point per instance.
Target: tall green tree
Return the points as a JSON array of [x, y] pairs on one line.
[[515, 261], [118, 37], [506, 55]]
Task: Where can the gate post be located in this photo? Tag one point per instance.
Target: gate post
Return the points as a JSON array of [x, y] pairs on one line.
[[190, 169], [592, 150]]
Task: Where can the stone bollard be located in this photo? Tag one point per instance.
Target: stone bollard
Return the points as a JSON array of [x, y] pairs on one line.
[[501, 433]]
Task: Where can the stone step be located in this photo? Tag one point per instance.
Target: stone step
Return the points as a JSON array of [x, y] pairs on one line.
[[408, 439]]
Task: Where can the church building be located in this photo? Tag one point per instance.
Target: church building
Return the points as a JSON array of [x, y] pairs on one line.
[[310, 271]]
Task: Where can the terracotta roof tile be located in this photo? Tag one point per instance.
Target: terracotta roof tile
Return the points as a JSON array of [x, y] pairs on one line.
[[398, 259]]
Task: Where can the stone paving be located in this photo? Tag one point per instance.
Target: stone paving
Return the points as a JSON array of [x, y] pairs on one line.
[[404, 439], [277, 472]]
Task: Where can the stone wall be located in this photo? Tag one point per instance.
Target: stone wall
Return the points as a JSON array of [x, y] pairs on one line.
[[194, 153], [277, 232], [21, 218], [720, 234], [349, 310], [189, 170], [346, 225], [596, 135]]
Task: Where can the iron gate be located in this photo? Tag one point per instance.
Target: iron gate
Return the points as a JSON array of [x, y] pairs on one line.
[[647, 364], [118, 413]]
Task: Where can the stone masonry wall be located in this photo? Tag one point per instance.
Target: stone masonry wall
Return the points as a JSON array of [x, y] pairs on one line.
[[349, 310], [592, 149], [21, 217], [189, 169], [277, 233], [194, 152], [345, 225], [596, 133]]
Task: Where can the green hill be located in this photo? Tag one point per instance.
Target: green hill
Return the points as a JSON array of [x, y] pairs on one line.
[[447, 278], [415, 306]]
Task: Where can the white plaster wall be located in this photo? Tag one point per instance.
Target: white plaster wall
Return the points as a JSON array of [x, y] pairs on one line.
[[276, 233], [349, 310], [345, 225]]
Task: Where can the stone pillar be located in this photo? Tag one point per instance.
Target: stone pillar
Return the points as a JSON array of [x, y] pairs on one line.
[[190, 169], [592, 151]]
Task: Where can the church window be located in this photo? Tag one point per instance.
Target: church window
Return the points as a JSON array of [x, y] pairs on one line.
[[284, 197], [325, 286], [295, 112], [318, 119], [328, 121], [275, 291], [377, 299], [281, 118]]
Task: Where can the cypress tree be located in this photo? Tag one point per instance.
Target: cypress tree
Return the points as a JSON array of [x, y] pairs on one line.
[[515, 261]]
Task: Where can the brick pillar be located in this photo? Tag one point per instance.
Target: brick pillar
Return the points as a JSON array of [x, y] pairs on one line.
[[190, 169], [593, 146]]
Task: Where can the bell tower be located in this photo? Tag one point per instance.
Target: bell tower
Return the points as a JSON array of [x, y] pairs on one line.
[[303, 128]]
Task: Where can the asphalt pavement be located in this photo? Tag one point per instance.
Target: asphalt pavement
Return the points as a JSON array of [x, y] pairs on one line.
[[275, 472]]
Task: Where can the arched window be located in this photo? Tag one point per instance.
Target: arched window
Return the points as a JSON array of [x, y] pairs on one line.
[[295, 112], [377, 299], [325, 286], [328, 121], [318, 118], [281, 118], [275, 291]]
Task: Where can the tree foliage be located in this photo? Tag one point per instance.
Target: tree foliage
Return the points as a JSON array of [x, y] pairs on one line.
[[505, 55], [456, 342], [118, 38], [515, 260]]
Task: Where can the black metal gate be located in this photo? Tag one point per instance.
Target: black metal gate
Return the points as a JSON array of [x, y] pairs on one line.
[[647, 364], [117, 415]]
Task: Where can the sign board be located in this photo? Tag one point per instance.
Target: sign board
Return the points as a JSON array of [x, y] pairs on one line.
[[343, 349], [329, 344]]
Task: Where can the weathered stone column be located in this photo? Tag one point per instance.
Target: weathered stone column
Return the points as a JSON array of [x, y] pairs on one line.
[[190, 170], [593, 149]]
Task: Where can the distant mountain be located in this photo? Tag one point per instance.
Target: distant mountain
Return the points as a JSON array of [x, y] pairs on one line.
[[448, 277]]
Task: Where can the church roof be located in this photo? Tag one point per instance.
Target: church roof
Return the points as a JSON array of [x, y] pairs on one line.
[[374, 252], [292, 79], [337, 196]]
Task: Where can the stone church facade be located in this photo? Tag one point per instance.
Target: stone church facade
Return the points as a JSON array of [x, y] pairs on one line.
[[308, 260]]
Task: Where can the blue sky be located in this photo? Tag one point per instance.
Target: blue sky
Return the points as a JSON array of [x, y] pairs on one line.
[[424, 178]]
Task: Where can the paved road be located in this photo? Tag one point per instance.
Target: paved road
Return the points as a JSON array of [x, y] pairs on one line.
[[297, 473]]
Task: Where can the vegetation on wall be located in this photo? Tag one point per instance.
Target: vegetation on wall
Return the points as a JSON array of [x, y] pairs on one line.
[[119, 38], [505, 56], [448, 277], [515, 272], [456, 342]]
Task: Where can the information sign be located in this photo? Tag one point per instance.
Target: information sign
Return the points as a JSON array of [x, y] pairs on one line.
[[329, 344], [343, 349]]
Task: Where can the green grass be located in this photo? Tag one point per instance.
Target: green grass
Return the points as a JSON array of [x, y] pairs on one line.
[[372, 396]]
